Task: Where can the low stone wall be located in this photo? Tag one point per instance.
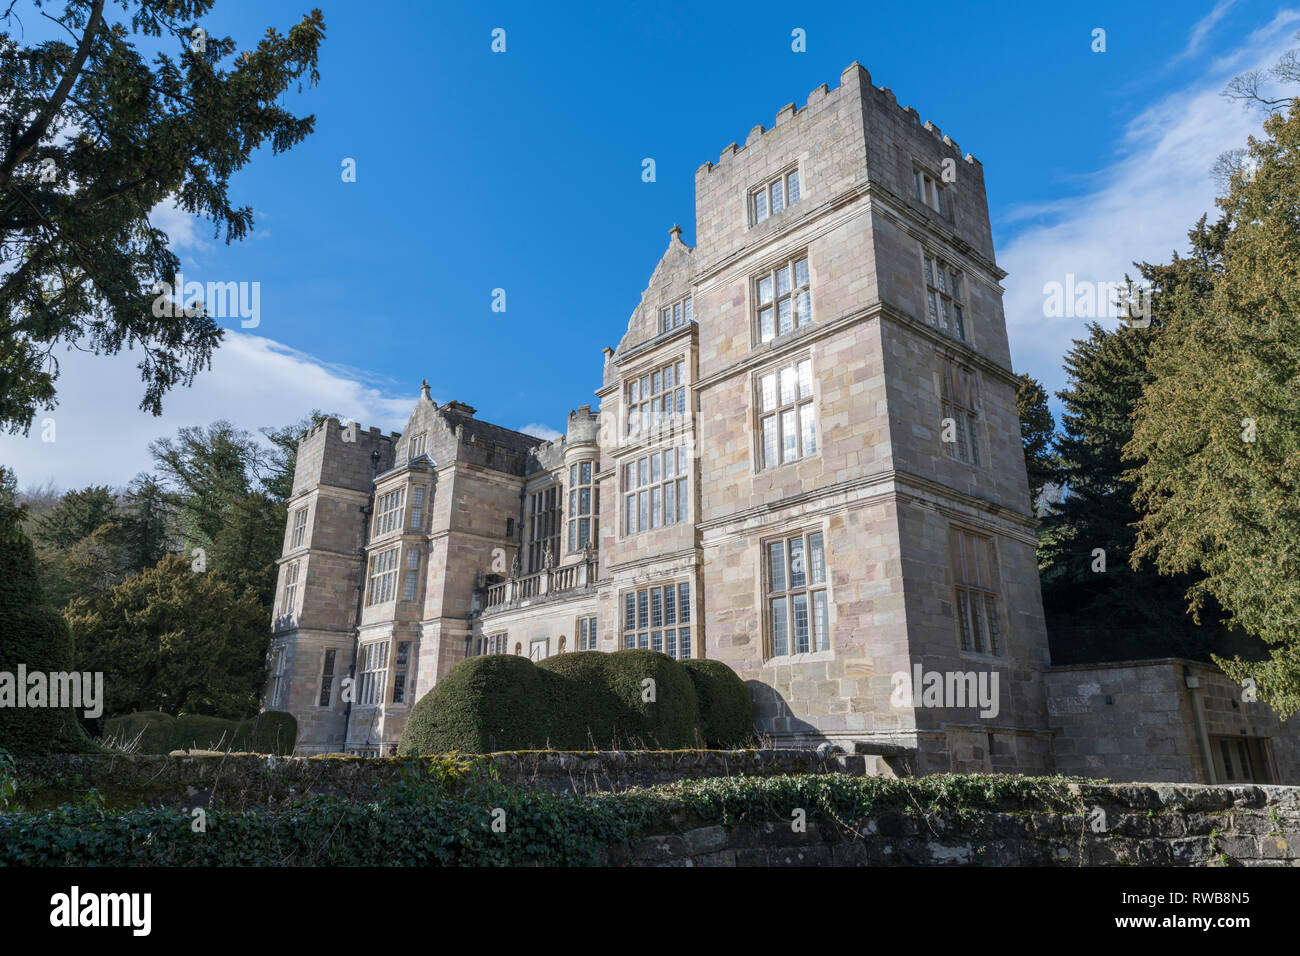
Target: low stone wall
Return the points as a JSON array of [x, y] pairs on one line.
[[1146, 825], [247, 780]]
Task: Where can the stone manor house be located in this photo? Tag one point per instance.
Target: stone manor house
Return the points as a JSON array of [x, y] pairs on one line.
[[805, 462]]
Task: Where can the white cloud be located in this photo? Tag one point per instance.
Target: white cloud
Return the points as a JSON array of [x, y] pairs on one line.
[[101, 436], [1203, 27], [544, 432], [1140, 208]]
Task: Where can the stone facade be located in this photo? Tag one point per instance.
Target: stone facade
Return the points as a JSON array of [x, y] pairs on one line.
[[805, 462]]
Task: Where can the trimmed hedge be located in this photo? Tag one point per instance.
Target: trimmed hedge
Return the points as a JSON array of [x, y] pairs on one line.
[[587, 700], [726, 709], [270, 732], [32, 633]]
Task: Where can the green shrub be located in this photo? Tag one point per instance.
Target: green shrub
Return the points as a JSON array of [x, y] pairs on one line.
[[270, 732], [726, 710], [483, 704], [197, 732], [582, 701], [625, 718], [32, 633], [156, 730]]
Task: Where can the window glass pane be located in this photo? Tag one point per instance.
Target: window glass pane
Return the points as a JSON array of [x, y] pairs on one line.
[[629, 605], [586, 473], [681, 372], [798, 564], [807, 429], [991, 617], [670, 462], [690, 310], [634, 391], [932, 308], [655, 502], [681, 460], [776, 561], [642, 608], [584, 531], [654, 467], [823, 641], [801, 272], [817, 558], [670, 502], [766, 328], [645, 386], [643, 471], [573, 474], [768, 385], [764, 290], [792, 184], [665, 317], [684, 643], [684, 602], [805, 307], [805, 379], [645, 510], [681, 401], [916, 185], [677, 315], [668, 378], [670, 639], [629, 510], [670, 605], [643, 641], [780, 637], [584, 501], [789, 437], [573, 535], [760, 205], [783, 281], [657, 607], [785, 316], [657, 641], [801, 624], [959, 322], [769, 441], [681, 499], [778, 196], [656, 383], [788, 383]]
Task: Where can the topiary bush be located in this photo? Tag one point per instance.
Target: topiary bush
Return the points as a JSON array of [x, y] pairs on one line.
[[32, 633], [726, 709], [668, 721], [483, 704], [581, 701]]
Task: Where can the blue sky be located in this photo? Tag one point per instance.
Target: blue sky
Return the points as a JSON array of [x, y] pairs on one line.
[[522, 170]]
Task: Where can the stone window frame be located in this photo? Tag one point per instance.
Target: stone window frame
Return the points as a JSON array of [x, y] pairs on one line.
[[760, 213], [389, 508], [925, 184], [545, 524], [416, 446], [542, 642], [637, 614], [497, 643], [760, 413], [796, 293], [291, 571], [299, 527], [677, 314], [574, 536], [326, 694], [420, 500], [943, 281], [382, 576], [647, 410], [411, 574], [372, 672], [810, 590], [959, 400], [279, 682], [630, 494], [402, 667], [973, 589], [585, 627]]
